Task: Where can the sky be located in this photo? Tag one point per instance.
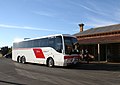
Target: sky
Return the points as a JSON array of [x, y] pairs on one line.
[[21, 19]]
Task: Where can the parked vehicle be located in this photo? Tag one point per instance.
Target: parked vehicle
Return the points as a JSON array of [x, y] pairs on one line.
[[51, 50], [9, 55]]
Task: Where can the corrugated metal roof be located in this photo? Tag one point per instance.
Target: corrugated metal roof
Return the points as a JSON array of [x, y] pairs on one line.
[[99, 30]]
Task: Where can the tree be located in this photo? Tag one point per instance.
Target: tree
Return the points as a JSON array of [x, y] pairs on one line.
[[4, 50]]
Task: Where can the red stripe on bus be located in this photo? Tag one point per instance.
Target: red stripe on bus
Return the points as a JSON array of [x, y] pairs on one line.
[[38, 53], [68, 57]]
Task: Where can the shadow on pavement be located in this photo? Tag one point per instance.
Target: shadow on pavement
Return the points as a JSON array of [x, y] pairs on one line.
[[96, 66], [11, 83], [90, 66]]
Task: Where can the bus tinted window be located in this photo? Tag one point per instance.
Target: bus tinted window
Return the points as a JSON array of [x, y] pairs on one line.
[[58, 45], [51, 42], [43, 42], [54, 42], [32, 43]]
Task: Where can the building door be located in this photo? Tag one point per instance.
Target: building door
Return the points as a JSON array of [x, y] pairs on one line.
[[103, 52]]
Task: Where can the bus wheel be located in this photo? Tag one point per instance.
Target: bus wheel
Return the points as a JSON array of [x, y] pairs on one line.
[[50, 62], [19, 59], [23, 60]]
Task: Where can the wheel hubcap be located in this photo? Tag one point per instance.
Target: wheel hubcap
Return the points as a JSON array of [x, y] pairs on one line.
[[50, 62]]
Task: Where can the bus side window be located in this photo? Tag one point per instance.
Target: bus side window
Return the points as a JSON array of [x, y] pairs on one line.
[[43, 42], [52, 42], [58, 44]]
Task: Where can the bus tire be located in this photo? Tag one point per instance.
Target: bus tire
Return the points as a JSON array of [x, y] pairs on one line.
[[50, 62], [23, 59], [19, 59]]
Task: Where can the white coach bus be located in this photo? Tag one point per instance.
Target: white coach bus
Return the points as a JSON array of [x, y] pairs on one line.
[[58, 50]]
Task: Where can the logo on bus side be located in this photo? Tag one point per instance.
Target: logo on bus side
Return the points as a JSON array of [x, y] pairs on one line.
[[38, 53]]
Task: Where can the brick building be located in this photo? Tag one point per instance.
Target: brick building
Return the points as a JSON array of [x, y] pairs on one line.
[[102, 42]]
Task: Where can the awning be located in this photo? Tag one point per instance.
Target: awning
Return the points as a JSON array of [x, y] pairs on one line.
[[100, 40]]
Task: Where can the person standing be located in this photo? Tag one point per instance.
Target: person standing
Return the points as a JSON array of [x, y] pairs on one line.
[[87, 55]]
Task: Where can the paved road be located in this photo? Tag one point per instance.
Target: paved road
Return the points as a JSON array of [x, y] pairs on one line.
[[13, 73]]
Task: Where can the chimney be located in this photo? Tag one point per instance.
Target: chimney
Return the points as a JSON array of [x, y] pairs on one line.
[[81, 27]]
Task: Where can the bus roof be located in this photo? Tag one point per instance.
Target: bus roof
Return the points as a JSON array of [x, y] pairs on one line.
[[46, 37]]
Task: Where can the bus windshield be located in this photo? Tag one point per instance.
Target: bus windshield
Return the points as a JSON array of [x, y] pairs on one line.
[[70, 45]]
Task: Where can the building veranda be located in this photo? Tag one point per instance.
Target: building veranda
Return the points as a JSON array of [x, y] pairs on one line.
[[102, 42]]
